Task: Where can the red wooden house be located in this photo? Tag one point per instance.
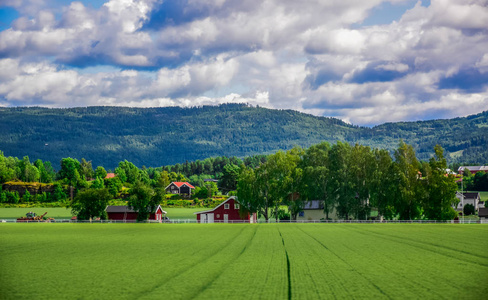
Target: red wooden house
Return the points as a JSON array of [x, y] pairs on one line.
[[123, 213], [225, 212]]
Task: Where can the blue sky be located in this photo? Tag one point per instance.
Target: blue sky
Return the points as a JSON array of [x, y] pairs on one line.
[[365, 62]]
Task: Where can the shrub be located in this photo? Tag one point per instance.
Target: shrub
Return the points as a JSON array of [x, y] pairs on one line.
[[3, 198], [27, 196], [468, 209]]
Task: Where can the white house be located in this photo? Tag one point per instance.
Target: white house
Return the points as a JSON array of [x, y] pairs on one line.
[[314, 210], [469, 198]]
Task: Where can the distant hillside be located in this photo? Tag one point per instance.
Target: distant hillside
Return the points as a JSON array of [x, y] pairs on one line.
[[169, 135]]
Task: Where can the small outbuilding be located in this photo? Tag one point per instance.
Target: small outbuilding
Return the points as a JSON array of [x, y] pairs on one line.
[[483, 213], [228, 211], [124, 213]]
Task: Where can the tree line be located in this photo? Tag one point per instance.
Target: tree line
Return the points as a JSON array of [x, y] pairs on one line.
[[351, 180]]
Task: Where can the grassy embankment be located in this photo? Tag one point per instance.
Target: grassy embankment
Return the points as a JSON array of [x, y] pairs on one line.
[[256, 261]]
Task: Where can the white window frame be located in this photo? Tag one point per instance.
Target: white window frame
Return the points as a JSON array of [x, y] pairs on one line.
[[226, 206], [236, 205]]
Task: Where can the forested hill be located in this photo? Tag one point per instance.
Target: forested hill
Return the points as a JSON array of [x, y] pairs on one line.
[[160, 136]]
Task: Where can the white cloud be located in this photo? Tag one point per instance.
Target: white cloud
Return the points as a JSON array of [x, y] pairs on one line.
[[306, 55]]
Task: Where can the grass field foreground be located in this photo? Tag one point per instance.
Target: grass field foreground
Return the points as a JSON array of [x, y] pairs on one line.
[[251, 261]]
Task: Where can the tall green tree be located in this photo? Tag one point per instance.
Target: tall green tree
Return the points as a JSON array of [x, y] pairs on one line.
[[383, 184], [361, 167], [228, 181], [114, 185], [46, 172], [90, 204], [86, 169], [441, 189], [70, 171], [408, 189], [142, 200], [31, 173], [100, 172], [340, 179], [316, 176], [98, 183], [253, 190], [7, 171]]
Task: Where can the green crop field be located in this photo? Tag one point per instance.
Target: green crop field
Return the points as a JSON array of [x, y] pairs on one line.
[[52, 212], [175, 213], [63, 213], [243, 261]]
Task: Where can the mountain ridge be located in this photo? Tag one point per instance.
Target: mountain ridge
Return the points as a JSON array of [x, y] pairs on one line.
[[169, 135]]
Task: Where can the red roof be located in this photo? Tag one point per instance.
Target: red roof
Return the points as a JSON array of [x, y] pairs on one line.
[[110, 175], [179, 184]]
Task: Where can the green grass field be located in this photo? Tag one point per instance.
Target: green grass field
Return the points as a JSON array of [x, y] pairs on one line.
[[243, 261], [484, 196], [63, 213], [52, 212]]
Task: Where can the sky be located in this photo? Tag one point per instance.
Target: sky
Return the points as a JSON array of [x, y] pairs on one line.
[[365, 62]]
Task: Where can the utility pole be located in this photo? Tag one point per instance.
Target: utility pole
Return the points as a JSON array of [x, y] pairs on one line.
[[462, 195]]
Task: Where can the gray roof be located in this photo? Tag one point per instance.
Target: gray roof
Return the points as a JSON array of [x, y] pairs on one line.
[[122, 209], [468, 195], [210, 180], [473, 168], [118, 209], [314, 204]]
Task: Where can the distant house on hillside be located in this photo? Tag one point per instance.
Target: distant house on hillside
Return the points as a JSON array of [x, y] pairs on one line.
[[182, 188], [469, 198], [110, 175], [123, 213], [473, 169], [225, 212], [314, 210]]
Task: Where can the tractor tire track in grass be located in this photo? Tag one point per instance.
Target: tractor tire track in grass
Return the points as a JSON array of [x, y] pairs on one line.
[[388, 265], [210, 282], [476, 256], [287, 265], [181, 271], [439, 250], [347, 263], [316, 271]]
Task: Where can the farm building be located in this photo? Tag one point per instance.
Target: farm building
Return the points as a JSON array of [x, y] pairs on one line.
[[225, 212], [483, 213], [469, 198], [314, 210], [126, 214], [472, 169], [182, 188]]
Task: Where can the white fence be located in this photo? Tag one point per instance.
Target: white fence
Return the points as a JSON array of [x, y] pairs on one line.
[[185, 221]]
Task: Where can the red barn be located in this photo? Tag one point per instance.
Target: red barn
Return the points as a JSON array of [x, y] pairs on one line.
[[126, 214], [225, 212]]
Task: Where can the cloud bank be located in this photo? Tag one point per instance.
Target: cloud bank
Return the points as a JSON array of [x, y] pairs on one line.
[[312, 56]]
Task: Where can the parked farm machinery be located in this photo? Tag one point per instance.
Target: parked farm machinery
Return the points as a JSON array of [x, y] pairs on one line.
[[32, 217]]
